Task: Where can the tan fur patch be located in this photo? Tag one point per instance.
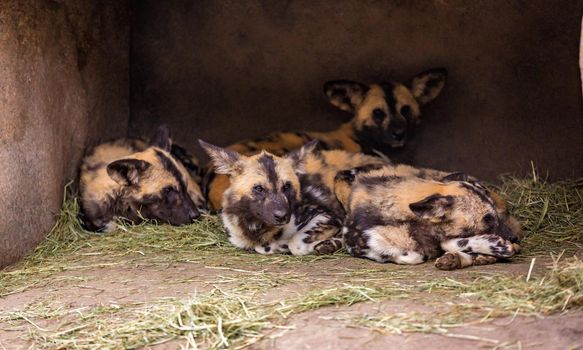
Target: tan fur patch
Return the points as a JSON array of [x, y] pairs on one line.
[[395, 237], [403, 96], [402, 194], [277, 144], [375, 98], [499, 202], [218, 186], [157, 176], [343, 137], [343, 190]]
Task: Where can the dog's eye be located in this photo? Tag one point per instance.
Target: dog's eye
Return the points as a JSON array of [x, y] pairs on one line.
[[406, 111], [489, 219], [168, 189], [258, 189], [378, 115], [286, 186]]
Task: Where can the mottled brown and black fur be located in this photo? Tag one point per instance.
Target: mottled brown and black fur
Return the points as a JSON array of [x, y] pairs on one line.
[[395, 217], [134, 180], [259, 203], [384, 118], [284, 204], [316, 170]]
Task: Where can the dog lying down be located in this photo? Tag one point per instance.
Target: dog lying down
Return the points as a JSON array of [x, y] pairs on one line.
[[380, 211], [408, 219]]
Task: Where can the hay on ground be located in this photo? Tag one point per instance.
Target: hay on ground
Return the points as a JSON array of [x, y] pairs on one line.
[[233, 314]]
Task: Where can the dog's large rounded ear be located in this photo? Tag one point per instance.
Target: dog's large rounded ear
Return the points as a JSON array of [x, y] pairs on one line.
[[345, 94], [163, 139], [308, 148], [127, 172], [190, 162], [299, 156], [427, 86], [435, 207], [224, 159]]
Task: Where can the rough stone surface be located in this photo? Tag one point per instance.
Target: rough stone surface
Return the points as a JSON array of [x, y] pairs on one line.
[[227, 70], [64, 68]]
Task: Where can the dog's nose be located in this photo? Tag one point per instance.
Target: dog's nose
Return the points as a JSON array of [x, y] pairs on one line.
[[280, 216], [505, 232], [398, 135], [193, 214]]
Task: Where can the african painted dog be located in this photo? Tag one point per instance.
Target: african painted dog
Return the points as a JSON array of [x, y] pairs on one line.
[[409, 219], [316, 170], [284, 204], [128, 178], [384, 117]]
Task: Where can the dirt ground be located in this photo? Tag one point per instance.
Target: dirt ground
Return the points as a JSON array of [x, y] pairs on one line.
[[321, 329], [124, 281]]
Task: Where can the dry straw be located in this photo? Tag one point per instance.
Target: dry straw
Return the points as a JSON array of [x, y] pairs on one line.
[[238, 311]]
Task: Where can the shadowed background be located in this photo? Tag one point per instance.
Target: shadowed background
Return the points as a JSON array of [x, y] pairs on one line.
[[227, 70]]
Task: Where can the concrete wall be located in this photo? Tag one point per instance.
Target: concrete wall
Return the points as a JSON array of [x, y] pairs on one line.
[[226, 70], [64, 73]]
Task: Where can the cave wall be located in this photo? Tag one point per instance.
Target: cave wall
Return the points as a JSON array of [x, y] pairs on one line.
[[227, 70], [64, 73]]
